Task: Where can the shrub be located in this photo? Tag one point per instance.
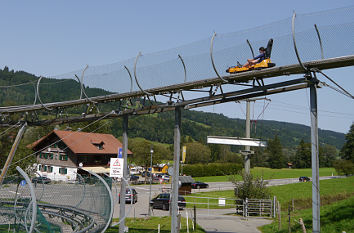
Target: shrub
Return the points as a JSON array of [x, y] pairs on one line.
[[344, 167], [250, 187]]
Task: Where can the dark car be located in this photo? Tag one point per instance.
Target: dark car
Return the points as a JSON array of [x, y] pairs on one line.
[[199, 185], [304, 179], [134, 178], [129, 197], [41, 180], [162, 201]]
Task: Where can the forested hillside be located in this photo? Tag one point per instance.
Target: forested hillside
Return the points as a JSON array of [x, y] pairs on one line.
[[18, 88]]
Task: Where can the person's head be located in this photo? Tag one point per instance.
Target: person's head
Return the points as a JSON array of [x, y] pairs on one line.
[[262, 50]]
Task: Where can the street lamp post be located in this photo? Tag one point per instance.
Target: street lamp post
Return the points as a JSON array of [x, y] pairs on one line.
[[151, 152]]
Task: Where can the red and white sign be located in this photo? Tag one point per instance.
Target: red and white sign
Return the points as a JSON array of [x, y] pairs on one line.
[[116, 167]]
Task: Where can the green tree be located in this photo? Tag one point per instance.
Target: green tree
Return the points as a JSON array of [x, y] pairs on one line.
[[347, 151], [197, 153], [274, 151], [302, 157], [327, 154]]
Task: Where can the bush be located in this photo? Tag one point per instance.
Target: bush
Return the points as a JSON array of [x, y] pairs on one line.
[[344, 167], [250, 187], [211, 169]]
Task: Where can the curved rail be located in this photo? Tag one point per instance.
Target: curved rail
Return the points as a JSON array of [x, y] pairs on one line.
[[319, 39], [84, 191], [110, 195], [136, 79], [294, 41], [131, 204], [212, 59], [35, 94], [82, 82], [184, 67], [39, 98], [249, 44], [33, 197], [131, 79]]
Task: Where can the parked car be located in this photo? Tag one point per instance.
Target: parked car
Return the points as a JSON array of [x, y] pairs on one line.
[[129, 197], [144, 173], [133, 178], [163, 176], [199, 185], [162, 201], [41, 180], [304, 179]]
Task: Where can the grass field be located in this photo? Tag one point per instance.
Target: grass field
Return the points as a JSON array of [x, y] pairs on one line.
[[145, 225], [337, 206], [268, 173], [301, 192], [335, 217]]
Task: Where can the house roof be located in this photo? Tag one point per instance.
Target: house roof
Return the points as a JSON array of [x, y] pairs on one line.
[[186, 179], [85, 143]]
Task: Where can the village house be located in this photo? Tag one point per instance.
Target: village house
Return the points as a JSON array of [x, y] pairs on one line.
[[61, 153]]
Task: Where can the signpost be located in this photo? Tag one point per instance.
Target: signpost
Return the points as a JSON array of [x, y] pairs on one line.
[[116, 167], [120, 152]]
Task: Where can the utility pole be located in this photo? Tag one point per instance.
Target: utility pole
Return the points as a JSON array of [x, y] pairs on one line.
[[314, 157], [151, 152], [125, 175], [248, 135], [175, 177]]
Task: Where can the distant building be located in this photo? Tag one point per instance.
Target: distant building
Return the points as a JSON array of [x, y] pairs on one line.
[[160, 168], [61, 153]]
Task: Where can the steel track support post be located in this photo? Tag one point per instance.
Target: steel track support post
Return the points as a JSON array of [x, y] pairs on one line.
[[125, 175], [248, 135], [314, 159], [12, 152], [175, 177]]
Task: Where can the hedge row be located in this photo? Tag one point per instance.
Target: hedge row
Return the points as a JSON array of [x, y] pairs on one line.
[[211, 169]]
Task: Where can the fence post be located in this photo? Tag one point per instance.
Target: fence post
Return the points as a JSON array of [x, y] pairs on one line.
[[274, 206], [178, 222], [289, 223], [279, 216], [195, 217], [246, 207]]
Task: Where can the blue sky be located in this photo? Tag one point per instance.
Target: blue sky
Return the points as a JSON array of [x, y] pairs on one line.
[[55, 37]]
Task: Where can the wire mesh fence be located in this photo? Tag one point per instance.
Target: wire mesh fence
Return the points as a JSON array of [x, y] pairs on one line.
[[81, 206]]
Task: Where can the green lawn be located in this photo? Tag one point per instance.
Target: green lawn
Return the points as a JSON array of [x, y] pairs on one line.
[[268, 173], [145, 225], [337, 205], [335, 217], [285, 193]]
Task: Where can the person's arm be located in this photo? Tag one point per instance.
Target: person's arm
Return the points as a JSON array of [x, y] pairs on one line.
[[258, 57]]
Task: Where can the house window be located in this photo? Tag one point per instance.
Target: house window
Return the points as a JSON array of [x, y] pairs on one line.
[[45, 155], [51, 156], [63, 157], [45, 168], [98, 145], [39, 167], [50, 169], [63, 171]]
